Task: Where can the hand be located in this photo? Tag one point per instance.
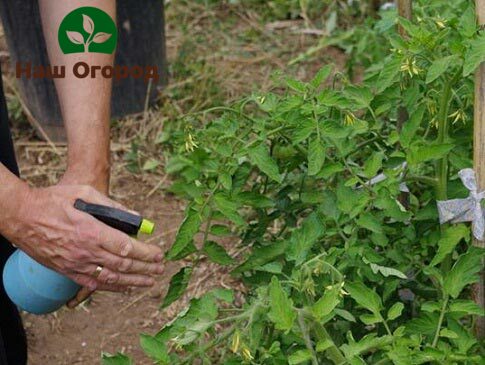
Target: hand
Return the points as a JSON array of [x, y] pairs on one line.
[[48, 228], [98, 178]]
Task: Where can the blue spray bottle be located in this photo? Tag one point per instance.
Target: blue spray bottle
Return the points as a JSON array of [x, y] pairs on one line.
[[39, 290]]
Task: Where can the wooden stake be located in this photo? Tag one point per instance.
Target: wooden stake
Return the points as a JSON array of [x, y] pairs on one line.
[[479, 160], [405, 10]]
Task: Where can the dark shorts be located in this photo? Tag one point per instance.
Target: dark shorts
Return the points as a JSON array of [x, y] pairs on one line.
[[13, 343]]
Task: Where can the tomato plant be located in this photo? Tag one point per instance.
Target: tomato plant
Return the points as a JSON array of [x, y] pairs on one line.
[[341, 268]]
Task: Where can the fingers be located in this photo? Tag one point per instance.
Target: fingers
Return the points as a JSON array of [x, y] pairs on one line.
[[107, 280], [114, 241], [122, 245], [80, 297], [128, 265], [111, 280]]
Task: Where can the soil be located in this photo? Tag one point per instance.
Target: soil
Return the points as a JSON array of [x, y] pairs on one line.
[[235, 53]]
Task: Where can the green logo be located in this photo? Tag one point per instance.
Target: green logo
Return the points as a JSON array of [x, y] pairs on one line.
[[88, 29]]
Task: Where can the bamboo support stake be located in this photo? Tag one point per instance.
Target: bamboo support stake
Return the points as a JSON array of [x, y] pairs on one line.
[[479, 160]]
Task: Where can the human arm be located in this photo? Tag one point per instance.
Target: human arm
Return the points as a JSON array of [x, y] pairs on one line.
[[85, 103]]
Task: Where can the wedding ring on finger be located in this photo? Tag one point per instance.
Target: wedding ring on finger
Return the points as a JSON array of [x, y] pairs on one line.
[[98, 271]]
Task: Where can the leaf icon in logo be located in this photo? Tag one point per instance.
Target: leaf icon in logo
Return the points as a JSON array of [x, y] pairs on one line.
[[101, 37], [75, 37], [88, 24]]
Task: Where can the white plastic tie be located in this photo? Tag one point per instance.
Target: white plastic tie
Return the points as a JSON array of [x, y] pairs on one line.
[[465, 210]]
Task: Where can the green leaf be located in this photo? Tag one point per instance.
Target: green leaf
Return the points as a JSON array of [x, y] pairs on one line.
[[260, 156], [281, 311], [262, 255], [187, 250], [271, 267], [296, 85], [178, 285], [185, 235], [445, 332], [151, 164], [431, 307], [425, 324], [411, 126], [389, 74], [326, 304], [419, 154], [370, 319], [468, 22], [217, 253], [229, 209], [332, 98], [303, 239], [409, 27], [466, 306], [370, 222], [373, 164], [395, 311], [438, 68], [226, 295], [450, 237], [220, 230], [226, 180], [465, 271], [324, 345], [299, 357], [384, 271], [255, 199], [351, 201], [154, 348], [361, 95], [321, 75], [316, 156], [118, 359], [474, 55], [369, 342], [465, 340], [345, 314], [365, 297]]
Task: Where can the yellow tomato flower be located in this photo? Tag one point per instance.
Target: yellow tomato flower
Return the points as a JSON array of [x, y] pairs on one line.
[[349, 118], [190, 143], [457, 116], [236, 340], [247, 354], [410, 67]]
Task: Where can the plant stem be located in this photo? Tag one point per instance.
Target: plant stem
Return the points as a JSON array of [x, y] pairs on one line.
[[321, 333], [215, 342], [440, 321], [306, 337], [442, 165], [424, 179]]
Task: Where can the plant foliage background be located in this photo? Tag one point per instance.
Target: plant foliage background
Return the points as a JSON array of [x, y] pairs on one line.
[[338, 270]]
